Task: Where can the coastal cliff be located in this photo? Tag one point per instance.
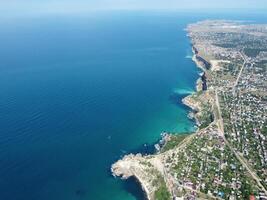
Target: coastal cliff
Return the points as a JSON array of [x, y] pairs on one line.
[[204, 65], [204, 164], [200, 60], [134, 165], [150, 170], [155, 172]]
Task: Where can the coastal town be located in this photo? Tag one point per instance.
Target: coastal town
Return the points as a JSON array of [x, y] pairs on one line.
[[226, 158]]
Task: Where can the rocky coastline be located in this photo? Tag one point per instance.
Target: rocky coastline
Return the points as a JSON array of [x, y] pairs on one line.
[[140, 166], [130, 166], [201, 85], [204, 164]]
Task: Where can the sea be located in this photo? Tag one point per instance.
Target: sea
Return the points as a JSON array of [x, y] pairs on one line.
[[79, 91]]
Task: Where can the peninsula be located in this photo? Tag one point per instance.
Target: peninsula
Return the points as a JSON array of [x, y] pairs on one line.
[[226, 158]]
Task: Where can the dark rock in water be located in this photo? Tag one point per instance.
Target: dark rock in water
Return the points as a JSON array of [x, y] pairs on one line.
[[80, 192], [144, 149]]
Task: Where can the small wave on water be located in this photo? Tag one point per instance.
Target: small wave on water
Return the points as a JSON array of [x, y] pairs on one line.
[[183, 91], [178, 94], [189, 54]]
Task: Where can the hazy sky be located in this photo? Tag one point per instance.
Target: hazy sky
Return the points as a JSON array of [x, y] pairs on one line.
[[47, 6]]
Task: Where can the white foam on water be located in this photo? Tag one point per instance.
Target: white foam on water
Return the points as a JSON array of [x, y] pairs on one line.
[[183, 91]]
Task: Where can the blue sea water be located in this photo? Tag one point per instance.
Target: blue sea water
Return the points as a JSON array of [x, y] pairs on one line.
[[78, 92]]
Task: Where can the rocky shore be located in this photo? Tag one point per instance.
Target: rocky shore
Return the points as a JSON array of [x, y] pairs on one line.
[[204, 65], [201, 85], [130, 165], [206, 164], [194, 105], [149, 170], [146, 169]]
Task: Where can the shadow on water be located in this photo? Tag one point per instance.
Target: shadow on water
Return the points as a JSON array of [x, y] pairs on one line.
[[80, 193], [176, 99], [132, 186]]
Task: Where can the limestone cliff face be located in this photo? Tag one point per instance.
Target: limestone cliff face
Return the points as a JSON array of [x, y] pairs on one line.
[[200, 60], [205, 63], [194, 105], [146, 169], [137, 166], [153, 171]]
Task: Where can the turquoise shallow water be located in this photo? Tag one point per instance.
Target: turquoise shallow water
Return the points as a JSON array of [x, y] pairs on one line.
[[79, 92]]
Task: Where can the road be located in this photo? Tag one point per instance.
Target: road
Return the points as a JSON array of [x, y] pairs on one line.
[[239, 157], [240, 72], [219, 118], [244, 163]]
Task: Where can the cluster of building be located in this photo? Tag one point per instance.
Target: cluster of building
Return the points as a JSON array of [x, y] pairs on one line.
[[227, 157], [242, 86], [206, 166], [245, 117]]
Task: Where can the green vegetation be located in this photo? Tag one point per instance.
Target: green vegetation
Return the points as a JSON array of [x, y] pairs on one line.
[[253, 52], [173, 142], [210, 162], [226, 45], [162, 192], [206, 116]]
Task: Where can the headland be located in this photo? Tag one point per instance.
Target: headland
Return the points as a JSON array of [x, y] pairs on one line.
[[213, 162]]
